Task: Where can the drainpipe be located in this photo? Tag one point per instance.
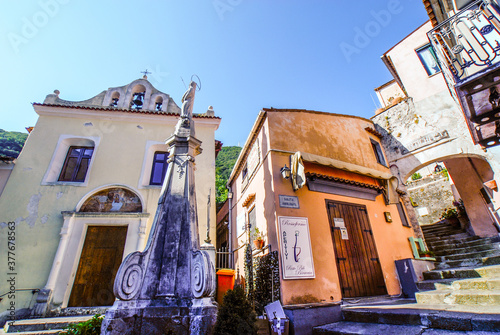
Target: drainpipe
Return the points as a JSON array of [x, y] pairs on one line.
[[229, 225]]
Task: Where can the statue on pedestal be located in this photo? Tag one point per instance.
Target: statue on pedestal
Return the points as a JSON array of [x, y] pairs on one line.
[[168, 288]]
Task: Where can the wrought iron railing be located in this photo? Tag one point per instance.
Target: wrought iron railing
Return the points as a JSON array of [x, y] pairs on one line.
[[469, 41], [223, 258]]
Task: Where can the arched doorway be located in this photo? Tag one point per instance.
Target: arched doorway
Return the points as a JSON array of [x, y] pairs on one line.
[[417, 134], [102, 251], [472, 181]]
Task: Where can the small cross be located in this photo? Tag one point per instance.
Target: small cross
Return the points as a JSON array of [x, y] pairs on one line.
[[146, 73]]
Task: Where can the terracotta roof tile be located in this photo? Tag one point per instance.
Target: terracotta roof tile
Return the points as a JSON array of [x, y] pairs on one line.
[[345, 181], [113, 109]]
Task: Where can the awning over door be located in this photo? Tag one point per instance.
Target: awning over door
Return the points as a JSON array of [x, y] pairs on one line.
[[390, 182]]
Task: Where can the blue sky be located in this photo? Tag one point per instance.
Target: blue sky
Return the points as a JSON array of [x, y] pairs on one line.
[[249, 54]]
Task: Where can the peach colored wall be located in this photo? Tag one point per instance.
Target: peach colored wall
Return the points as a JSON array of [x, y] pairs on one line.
[[337, 136], [391, 239], [261, 184], [267, 184]]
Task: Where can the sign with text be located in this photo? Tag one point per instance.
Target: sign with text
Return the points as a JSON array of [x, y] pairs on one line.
[[427, 140], [339, 222], [296, 252], [289, 201]]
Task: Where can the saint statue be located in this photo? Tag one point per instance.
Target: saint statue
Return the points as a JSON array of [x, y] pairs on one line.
[[188, 101]]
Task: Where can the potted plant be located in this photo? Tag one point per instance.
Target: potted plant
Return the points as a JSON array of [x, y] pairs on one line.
[[425, 253], [451, 215], [258, 238]]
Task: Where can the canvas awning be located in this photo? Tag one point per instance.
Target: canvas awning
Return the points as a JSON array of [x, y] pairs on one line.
[[390, 182]]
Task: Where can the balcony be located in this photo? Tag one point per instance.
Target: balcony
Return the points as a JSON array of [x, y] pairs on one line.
[[467, 46]]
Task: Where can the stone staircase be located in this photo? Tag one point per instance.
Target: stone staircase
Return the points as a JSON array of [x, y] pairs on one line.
[[460, 296], [464, 272], [52, 325], [401, 320], [457, 254]]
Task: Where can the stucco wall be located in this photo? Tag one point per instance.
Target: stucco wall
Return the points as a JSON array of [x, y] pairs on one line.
[[118, 160], [416, 82], [330, 135]]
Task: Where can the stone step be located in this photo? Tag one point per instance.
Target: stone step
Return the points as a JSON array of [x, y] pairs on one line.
[[346, 327], [44, 324], [454, 237], [471, 262], [492, 271], [464, 250], [456, 273], [465, 244], [433, 227], [435, 321], [429, 285], [440, 230], [454, 243], [37, 332], [461, 297], [475, 254], [474, 284]]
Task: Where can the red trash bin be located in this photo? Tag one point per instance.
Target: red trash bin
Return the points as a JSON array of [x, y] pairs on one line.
[[225, 282]]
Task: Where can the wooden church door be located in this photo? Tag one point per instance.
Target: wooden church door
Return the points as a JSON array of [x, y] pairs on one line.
[[101, 257]]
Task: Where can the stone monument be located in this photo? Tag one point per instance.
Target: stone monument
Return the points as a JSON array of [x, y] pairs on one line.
[[168, 288]]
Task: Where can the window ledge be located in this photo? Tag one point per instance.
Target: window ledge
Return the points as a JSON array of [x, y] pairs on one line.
[[64, 183], [152, 187]]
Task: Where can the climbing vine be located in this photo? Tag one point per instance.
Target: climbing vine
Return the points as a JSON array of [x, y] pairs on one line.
[[267, 280]]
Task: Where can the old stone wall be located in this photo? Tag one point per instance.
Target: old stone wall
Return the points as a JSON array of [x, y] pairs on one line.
[[430, 196]]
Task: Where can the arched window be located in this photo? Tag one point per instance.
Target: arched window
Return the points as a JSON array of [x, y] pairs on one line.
[[158, 104], [114, 99], [137, 100]]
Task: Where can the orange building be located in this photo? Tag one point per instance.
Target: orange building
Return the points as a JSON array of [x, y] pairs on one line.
[[340, 231]]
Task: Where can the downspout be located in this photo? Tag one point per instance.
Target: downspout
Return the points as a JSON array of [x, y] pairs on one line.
[[229, 225]]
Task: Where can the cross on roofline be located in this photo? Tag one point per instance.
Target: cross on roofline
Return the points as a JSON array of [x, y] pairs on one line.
[[146, 73]]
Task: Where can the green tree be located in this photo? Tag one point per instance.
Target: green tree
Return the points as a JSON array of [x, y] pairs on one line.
[[11, 143], [223, 166]]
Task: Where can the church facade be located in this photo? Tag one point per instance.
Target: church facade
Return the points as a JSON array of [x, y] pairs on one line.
[[84, 192]]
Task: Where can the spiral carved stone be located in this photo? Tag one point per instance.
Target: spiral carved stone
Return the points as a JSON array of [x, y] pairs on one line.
[[202, 275], [129, 277]]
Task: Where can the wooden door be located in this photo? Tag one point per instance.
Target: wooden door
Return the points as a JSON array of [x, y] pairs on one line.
[[101, 257], [358, 264]]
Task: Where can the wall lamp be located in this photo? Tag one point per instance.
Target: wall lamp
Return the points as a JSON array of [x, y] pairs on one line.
[[285, 172]]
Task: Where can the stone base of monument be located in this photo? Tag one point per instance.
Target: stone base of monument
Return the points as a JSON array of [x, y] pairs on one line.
[[130, 318]]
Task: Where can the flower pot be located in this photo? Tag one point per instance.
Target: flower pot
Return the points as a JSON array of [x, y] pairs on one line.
[[259, 244]]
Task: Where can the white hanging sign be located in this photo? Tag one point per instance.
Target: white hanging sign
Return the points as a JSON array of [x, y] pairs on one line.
[[343, 233], [296, 252], [339, 222]]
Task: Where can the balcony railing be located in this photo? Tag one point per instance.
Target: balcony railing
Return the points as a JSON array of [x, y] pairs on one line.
[[468, 42]]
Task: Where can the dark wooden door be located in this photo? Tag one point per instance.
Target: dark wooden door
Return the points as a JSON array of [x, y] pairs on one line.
[[101, 257], [357, 260]]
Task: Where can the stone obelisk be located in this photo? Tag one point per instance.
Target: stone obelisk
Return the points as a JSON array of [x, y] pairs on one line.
[[168, 288]]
